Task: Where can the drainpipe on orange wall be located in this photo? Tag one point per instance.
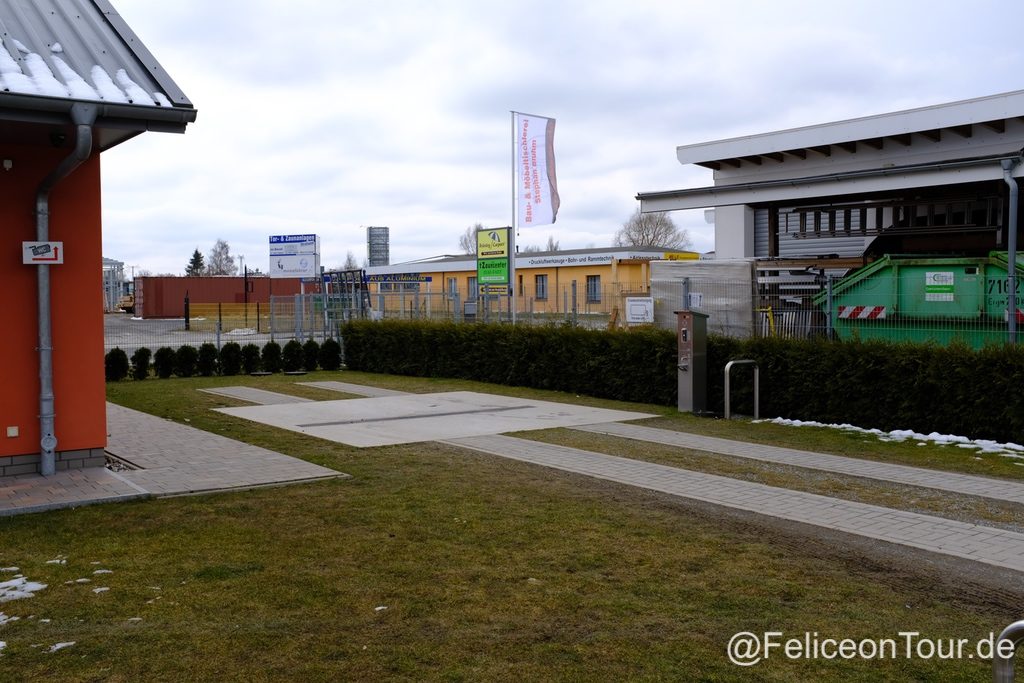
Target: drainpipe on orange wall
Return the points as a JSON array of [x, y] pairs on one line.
[[83, 116]]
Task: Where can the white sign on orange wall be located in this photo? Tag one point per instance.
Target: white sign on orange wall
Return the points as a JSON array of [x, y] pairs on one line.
[[36, 253]]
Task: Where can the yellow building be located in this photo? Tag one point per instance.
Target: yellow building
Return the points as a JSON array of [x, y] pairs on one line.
[[591, 282]]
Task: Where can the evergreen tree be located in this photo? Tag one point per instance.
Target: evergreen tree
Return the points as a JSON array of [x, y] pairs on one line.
[[196, 266]]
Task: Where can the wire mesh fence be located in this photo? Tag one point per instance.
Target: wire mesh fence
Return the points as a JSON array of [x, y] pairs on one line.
[[928, 306]]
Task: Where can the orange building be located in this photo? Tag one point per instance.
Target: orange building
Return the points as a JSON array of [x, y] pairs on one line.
[[75, 81]]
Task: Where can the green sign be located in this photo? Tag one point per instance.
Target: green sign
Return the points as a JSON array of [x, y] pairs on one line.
[[492, 271], [939, 286], [492, 255]]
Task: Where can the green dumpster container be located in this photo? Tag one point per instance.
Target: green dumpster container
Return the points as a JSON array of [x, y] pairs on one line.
[[938, 300]]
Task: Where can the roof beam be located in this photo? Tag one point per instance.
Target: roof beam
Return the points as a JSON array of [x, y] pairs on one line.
[[713, 165], [850, 147], [817, 189], [735, 163], [999, 125], [823, 150], [874, 143], [774, 156], [933, 135], [902, 139], [756, 160], [798, 153], [963, 131]]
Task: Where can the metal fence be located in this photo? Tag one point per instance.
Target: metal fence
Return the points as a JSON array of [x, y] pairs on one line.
[[801, 305], [906, 307], [579, 303], [285, 318]]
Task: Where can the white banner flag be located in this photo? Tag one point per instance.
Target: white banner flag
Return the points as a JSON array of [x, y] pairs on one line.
[[536, 189]]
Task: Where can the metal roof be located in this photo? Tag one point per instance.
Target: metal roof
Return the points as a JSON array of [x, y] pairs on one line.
[[922, 126], [55, 53], [565, 257]]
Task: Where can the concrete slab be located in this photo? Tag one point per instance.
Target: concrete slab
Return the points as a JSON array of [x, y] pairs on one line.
[[355, 389], [412, 418], [253, 395]]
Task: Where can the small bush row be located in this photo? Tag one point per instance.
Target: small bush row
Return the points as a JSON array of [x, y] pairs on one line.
[[231, 359], [926, 388]]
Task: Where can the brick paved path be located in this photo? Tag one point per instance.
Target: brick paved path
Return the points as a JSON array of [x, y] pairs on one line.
[[178, 460], [986, 487], [971, 541]]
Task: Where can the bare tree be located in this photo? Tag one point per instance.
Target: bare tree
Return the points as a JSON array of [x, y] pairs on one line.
[[220, 261], [467, 240], [350, 262], [552, 244], [651, 230], [530, 249]]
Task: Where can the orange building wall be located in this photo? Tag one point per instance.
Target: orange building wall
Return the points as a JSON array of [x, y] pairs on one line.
[[77, 304]]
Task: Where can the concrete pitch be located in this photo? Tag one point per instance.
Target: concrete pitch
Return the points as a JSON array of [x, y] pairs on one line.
[[412, 418]]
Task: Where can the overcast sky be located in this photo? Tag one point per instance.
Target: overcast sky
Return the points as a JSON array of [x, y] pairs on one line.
[[327, 117]]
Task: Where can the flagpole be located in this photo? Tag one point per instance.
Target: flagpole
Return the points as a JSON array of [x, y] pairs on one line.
[[515, 226]]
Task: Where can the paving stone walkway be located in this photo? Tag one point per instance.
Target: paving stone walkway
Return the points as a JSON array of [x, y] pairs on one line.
[[28, 493], [177, 460], [971, 541], [985, 487]]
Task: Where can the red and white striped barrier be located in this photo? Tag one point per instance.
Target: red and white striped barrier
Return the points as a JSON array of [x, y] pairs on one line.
[[862, 312]]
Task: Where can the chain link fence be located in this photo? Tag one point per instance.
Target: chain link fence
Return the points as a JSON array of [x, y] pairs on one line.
[[931, 304]]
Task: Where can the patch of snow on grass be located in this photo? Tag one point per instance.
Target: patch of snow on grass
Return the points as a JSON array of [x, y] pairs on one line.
[[18, 588], [60, 646], [1009, 449]]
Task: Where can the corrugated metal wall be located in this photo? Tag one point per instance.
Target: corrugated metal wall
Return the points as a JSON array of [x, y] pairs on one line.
[[164, 297], [791, 245]]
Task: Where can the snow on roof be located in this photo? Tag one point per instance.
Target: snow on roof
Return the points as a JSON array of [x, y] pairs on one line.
[[79, 50]]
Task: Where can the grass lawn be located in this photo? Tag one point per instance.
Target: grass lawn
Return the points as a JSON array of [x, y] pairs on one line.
[[437, 563]]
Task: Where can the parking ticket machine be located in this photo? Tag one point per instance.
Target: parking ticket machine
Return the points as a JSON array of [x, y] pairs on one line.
[[692, 335]]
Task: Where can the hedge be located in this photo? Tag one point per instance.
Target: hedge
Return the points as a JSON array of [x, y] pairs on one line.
[[115, 365], [951, 390]]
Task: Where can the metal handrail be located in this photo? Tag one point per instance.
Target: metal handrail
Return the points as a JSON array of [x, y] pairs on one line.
[[757, 383], [1002, 667]]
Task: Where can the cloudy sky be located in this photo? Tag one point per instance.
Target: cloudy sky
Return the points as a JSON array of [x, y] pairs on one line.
[[327, 117]]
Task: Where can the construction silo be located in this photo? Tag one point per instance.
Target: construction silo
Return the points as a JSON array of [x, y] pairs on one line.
[[378, 246]]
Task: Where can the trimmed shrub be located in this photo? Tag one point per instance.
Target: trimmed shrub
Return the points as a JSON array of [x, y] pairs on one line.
[[271, 357], [310, 355], [115, 365], [186, 359], [164, 361], [250, 359], [230, 359], [330, 355], [207, 362], [292, 356], [926, 388], [140, 363]]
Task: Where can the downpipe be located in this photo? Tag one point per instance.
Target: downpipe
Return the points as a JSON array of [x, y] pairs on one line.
[[1011, 248], [83, 116]]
